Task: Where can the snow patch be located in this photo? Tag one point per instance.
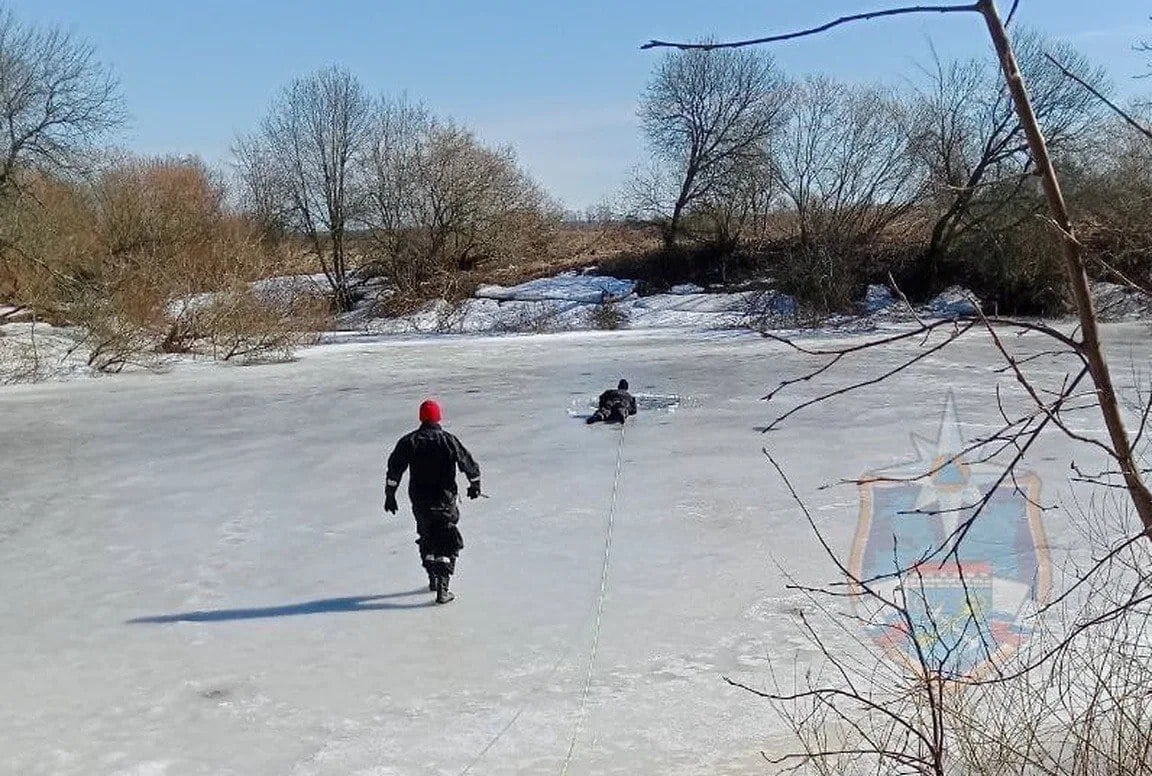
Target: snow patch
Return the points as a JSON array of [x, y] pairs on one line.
[[281, 293], [285, 291], [1115, 302], [573, 302], [686, 288], [878, 299], [34, 352], [567, 287], [955, 302]]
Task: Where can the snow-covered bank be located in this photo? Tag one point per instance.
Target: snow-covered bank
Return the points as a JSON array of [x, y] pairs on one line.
[[568, 302], [35, 352], [574, 302]]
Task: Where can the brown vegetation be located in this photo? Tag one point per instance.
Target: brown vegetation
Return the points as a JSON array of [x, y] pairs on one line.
[[146, 258]]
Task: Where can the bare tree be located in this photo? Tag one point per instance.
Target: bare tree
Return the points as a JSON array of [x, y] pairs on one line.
[[298, 167], [1121, 448], [736, 209], [1111, 188], [439, 201], [975, 145], [843, 162], [704, 114], [56, 100]]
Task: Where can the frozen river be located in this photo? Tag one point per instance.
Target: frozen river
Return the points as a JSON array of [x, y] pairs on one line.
[[198, 576]]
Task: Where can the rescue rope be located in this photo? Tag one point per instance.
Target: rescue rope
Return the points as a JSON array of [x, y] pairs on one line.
[[567, 653], [599, 609], [564, 655], [508, 725]]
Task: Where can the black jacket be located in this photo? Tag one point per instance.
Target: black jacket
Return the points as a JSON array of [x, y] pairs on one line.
[[616, 399], [433, 455]]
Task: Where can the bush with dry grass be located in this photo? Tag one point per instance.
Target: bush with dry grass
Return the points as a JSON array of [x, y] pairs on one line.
[[147, 259], [608, 316]]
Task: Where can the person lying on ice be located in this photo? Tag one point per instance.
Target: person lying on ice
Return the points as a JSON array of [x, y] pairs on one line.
[[615, 405], [433, 456]]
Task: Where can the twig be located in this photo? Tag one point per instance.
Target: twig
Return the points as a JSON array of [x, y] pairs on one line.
[[1012, 13], [1128, 119]]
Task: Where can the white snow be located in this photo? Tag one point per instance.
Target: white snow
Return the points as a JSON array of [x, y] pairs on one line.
[[280, 292], [1115, 302], [567, 287], [285, 290], [955, 302], [31, 352], [199, 579], [877, 299], [573, 302]]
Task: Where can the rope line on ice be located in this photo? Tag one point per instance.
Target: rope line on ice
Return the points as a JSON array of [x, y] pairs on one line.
[[564, 655], [508, 725], [599, 608]]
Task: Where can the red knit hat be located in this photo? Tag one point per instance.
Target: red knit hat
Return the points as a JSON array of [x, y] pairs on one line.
[[429, 412]]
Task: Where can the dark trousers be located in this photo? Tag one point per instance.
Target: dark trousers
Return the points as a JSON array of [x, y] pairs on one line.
[[438, 537], [610, 414]]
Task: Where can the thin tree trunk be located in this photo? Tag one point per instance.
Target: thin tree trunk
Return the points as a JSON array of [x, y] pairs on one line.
[[1090, 345]]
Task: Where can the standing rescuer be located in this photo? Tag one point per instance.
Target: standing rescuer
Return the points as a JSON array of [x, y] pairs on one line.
[[433, 456]]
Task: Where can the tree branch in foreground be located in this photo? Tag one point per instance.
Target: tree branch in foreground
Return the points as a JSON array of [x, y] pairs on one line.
[[911, 9], [1127, 117]]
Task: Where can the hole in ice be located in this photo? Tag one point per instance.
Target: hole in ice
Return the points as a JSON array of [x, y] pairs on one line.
[[645, 402], [652, 401]]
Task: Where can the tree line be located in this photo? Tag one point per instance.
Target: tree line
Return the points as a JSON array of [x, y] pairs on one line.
[[824, 185], [159, 254], [832, 185]]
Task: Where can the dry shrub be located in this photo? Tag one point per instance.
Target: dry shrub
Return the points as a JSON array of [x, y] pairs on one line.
[[827, 278], [120, 255], [240, 325], [608, 316], [113, 342]]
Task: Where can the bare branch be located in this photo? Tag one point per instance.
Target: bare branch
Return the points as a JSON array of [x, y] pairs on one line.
[[912, 9], [1012, 13], [1127, 117]]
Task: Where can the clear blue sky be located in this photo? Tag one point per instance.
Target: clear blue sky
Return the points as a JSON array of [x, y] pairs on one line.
[[557, 79]]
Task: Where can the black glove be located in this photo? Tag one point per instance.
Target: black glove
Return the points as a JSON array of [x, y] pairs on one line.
[[390, 504], [474, 489]]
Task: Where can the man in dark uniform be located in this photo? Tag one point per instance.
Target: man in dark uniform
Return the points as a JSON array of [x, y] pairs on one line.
[[615, 405], [433, 456]]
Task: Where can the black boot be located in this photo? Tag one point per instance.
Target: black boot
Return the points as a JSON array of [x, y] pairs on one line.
[[443, 569], [443, 594]]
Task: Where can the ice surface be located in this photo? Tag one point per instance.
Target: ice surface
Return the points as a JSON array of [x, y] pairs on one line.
[[199, 579]]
